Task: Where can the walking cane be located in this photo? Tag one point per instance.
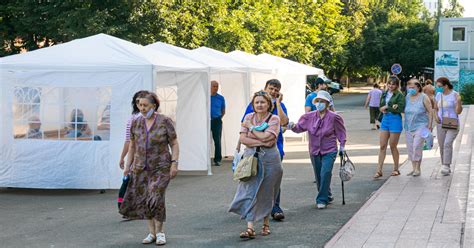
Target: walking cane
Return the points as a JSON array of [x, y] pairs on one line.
[[342, 181]]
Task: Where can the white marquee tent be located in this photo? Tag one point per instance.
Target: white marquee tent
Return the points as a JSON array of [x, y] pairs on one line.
[[84, 87], [292, 76], [232, 77], [236, 85]]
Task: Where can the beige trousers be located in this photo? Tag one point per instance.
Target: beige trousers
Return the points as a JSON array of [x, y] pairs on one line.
[[446, 139]]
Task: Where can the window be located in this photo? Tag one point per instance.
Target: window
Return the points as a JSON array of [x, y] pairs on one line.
[[168, 101], [53, 113], [458, 34]]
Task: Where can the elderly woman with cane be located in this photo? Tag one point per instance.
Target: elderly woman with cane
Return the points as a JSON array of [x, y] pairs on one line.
[[255, 197], [324, 129]]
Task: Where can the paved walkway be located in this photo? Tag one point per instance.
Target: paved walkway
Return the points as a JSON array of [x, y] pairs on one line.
[[427, 211]]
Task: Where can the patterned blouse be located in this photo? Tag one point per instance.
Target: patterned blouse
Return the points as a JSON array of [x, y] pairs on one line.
[[274, 125], [152, 150]]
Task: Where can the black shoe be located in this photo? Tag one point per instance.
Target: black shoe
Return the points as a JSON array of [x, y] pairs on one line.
[[278, 216], [217, 163], [331, 200]]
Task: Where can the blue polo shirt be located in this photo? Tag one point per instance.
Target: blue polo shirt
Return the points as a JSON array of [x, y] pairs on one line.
[[275, 112], [309, 101], [217, 106]]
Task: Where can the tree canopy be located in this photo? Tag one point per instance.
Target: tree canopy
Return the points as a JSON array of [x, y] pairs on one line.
[[344, 37]]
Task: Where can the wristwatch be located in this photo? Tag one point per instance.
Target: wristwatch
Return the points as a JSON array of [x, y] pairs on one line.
[[174, 161]]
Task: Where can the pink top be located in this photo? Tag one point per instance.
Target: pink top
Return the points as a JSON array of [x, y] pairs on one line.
[[274, 125], [129, 124], [375, 95], [322, 132]]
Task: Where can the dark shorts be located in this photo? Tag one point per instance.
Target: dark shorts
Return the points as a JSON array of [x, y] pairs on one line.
[[374, 114]]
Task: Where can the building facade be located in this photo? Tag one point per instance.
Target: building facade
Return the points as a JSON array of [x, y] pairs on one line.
[[431, 5]]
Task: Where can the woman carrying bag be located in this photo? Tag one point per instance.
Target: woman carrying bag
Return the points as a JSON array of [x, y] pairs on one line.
[[418, 120], [448, 107], [325, 128], [255, 196]]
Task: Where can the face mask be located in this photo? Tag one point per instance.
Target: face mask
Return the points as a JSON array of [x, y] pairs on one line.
[[320, 106], [149, 113], [439, 89], [262, 127], [411, 91]]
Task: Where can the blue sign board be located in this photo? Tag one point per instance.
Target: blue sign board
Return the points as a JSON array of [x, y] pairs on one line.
[[396, 69]]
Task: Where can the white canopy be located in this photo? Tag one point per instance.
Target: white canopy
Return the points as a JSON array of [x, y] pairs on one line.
[[65, 109], [291, 65], [234, 85], [292, 76]]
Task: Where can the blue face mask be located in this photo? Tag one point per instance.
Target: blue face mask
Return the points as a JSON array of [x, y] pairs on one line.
[[439, 89], [149, 113], [320, 106], [411, 91]]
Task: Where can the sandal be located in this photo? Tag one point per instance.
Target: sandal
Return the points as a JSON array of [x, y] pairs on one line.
[[149, 239], [377, 175], [248, 234], [395, 173], [265, 230]]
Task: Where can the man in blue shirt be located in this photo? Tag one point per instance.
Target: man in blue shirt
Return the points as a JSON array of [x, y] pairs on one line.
[[320, 84], [273, 87], [217, 112]]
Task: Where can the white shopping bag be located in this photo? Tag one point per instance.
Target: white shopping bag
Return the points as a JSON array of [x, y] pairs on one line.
[[237, 157], [428, 136]]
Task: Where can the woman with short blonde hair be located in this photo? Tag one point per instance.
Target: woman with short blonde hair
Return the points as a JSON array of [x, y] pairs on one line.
[[254, 198]]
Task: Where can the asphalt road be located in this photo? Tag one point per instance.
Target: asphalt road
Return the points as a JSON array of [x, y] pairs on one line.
[[197, 205]]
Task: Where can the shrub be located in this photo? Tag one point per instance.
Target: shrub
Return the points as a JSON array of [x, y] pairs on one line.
[[467, 94]]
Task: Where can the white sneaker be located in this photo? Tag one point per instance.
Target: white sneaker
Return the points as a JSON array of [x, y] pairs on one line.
[[160, 239], [445, 170], [149, 239], [321, 206]]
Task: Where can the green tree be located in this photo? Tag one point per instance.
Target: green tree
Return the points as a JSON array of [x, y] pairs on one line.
[[455, 9]]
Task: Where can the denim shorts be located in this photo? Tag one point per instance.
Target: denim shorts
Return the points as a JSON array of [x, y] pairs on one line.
[[392, 123]]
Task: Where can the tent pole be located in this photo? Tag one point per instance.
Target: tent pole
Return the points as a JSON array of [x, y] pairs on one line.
[[208, 111]]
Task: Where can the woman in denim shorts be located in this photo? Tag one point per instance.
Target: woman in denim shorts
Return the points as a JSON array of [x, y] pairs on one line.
[[392, 105]]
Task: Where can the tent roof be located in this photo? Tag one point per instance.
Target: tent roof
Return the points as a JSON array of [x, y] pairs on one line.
[[98, 52], [216, 63], [291, 65], [241, 55], [249, 65]]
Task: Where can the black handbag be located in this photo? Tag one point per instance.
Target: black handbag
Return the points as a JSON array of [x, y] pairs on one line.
[[123, 189]]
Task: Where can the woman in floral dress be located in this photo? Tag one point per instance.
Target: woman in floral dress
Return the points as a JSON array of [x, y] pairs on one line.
[[151, 166]]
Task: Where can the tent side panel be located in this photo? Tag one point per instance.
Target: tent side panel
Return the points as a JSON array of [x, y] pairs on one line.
[[65, 162], [191, 115]]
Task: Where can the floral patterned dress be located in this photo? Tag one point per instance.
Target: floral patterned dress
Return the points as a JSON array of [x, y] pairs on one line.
[[150, 171]]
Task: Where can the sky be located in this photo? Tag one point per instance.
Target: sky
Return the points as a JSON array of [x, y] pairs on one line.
[[468, 7]]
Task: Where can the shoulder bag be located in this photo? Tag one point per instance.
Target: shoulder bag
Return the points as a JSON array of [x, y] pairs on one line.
[[248, 166]]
